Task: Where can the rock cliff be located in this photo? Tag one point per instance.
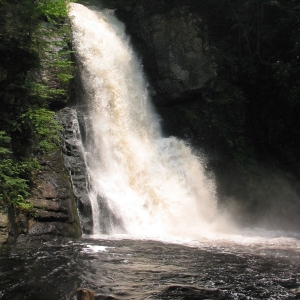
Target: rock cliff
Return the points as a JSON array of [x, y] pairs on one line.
[[53, 200], [28, 93], [174, 49], [54, 209], [72, 150]]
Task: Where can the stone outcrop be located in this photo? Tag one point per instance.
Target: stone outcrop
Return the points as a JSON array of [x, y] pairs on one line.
[[54, 210], [53, 200], [46, 65], [74, 161], [174, 50], [52, 197], [180, 53]]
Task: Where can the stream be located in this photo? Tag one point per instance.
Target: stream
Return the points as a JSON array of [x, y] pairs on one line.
[[118, 267]]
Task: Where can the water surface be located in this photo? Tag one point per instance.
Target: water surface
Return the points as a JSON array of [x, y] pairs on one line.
[[121, 268]]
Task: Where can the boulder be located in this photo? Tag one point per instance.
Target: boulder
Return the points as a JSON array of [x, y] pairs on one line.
[[85, 294]]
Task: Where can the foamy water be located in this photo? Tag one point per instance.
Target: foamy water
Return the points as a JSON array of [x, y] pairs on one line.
[[142, 184], [151, 184]]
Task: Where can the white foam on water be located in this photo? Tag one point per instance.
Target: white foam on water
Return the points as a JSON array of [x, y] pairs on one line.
[[95, 249]]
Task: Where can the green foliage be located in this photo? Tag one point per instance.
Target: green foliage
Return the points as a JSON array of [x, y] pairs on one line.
[[43, 125], [4, 140], [41, 91], [62, 65], [53, 8], [33, 42], [15, 178]]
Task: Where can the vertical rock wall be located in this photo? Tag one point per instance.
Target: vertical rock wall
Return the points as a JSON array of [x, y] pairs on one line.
[[55, 211], [173, 44], [53, 200], [74, 161], [180, 52]]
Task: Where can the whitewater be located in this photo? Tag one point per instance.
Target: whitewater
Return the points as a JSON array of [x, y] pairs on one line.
[[142, 184]]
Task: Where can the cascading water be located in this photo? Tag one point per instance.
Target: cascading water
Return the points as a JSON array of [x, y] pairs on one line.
[[144, 185], [141, 182]]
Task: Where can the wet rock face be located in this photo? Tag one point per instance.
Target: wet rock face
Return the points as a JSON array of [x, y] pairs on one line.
[[75, 164], [180, 53], [53, 201], [173, 46], [52, 197]]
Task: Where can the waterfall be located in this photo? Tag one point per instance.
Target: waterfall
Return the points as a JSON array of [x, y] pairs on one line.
[[141, 182]]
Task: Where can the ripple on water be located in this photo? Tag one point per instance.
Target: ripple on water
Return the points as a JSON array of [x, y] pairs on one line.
[[118, 268]]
